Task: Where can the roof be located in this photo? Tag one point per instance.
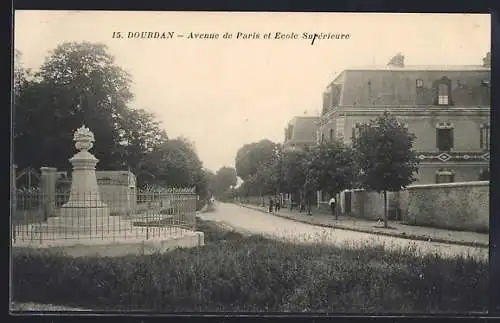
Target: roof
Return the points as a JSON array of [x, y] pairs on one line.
[[304, 128], [421, 68], [390, 86]]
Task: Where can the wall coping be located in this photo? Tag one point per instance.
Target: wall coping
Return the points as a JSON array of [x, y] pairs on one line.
[[417, 186], [458, 184]]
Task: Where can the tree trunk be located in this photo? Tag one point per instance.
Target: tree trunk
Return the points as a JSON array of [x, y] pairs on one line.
[[385, 210]]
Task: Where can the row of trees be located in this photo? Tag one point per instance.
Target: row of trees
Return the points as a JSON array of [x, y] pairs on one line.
[[79, 83], [380, 159]]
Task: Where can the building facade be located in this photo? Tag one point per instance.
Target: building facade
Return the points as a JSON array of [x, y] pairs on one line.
[[447, 108], [301, 131]]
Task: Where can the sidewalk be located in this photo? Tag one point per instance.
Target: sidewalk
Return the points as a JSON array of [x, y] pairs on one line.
[[396, 229]]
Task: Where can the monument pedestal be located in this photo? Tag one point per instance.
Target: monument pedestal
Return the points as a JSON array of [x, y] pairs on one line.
[[94, 221]]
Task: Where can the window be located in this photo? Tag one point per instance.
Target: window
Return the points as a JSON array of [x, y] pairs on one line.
[[444, 136], [443, 94], [484, 137], [322, 137], [331, 134], [442, 88], [444, 176], [420, 83]]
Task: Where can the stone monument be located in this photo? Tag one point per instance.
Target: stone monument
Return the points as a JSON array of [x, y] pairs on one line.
[[84, 212]]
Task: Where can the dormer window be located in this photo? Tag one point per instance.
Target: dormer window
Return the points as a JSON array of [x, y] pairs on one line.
[[443, 91], [420, 83], [443, 94]]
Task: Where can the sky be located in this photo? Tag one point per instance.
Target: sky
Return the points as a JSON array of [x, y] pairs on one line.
[[224, 93]]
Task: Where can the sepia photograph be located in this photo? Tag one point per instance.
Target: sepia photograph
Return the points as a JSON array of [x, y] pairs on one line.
[[250, 162]]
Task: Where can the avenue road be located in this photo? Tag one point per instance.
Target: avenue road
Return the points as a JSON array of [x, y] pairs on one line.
[[255, 222]]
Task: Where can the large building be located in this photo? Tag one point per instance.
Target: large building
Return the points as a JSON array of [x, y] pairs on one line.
[[301, 131], [446, 107]]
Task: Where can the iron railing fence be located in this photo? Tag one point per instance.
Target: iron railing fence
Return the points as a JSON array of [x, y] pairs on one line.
[[38, 216]]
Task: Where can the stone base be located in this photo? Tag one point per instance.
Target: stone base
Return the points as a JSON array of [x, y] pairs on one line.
[[111, 246], [85, 221], [84, 211]]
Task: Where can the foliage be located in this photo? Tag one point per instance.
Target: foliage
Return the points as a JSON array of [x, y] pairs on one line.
[[295, 168], [224, 179], [175, 164], [251, 156], [140, 135], [77, 83], [332, 166], [19, 77], [255, 274], [385, 156]]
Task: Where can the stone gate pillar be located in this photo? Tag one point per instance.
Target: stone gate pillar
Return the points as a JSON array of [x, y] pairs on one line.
[[48, 187]]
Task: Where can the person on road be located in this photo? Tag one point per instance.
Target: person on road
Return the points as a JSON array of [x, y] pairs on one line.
[[277, 205], [270, 205], [332, 205]]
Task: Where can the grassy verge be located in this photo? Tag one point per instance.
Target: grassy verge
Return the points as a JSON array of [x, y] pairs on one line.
[[236, 273]]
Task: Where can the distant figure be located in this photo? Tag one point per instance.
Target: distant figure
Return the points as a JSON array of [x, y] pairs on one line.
[[277, 205], [332, 205], [212, 200], [271, 205]]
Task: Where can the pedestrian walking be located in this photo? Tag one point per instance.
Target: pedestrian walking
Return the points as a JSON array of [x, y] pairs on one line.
[[270, 205], [277, 205], [332, 205]]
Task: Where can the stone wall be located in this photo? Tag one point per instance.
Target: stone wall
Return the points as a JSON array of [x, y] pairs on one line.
[[459, 206], [370, 205], [454, 206]]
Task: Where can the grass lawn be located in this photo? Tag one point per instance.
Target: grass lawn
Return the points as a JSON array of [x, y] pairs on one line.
[[233, 272]]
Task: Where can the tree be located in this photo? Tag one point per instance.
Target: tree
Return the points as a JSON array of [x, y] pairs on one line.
[[487, 60], [251, 156], [295, 169], [77, 84], [174, 164], [140, 134], [19, 77], [223, 180], [332, 167], [385, 156]]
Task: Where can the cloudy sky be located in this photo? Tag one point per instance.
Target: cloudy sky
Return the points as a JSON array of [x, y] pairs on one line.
[[224, 93]]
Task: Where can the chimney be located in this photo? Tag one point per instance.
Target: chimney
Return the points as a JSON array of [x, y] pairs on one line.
[[397, 61]]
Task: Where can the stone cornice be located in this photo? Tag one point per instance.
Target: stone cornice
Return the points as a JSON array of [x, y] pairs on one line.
[[410, 110]]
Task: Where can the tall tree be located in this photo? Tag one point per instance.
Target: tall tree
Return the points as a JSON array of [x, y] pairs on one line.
[[251, 156], [174, 164], [295, 170], [140, 134], [385, 156], [332, 166], [18, 73], [223, 180], [77, 84]]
